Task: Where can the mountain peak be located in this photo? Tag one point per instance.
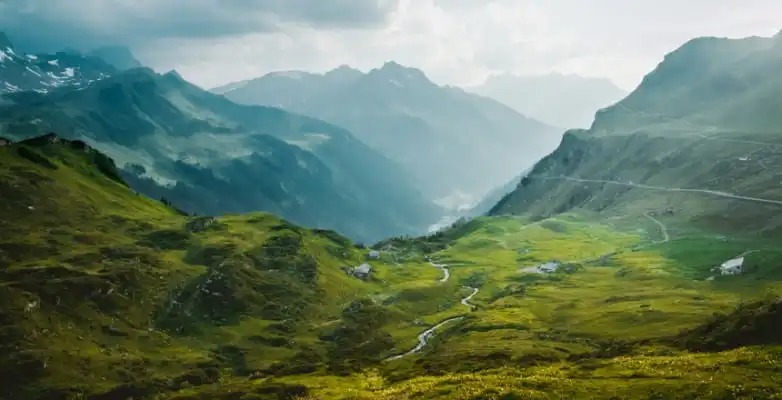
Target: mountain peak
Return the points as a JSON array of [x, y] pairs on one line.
[[174, 74], [396, 71], [292, 74]]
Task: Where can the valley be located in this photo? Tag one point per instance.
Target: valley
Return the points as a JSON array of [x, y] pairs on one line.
[[610, 318], [160, 241]]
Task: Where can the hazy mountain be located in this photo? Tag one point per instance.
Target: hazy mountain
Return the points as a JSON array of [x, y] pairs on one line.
[[43, 72], [453, 141], [120, 57], [211, 156], [569, 101], [701, 132]]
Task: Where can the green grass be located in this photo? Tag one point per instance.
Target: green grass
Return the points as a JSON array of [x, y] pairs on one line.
[[105, 292]]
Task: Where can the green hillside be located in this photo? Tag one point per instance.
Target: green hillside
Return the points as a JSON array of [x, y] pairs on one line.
[[106, 294], [104, 291], [697, 141]]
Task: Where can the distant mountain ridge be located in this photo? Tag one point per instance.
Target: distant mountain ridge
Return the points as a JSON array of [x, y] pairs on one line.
[[44, 72], [211, 156], [453, 141], [698, 138], [567, 101]]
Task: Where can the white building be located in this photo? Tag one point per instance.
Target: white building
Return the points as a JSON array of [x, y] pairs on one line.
[[362, 271], [374, 255], [732, 267]]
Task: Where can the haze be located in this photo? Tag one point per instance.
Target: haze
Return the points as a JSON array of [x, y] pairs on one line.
[[457, 42]]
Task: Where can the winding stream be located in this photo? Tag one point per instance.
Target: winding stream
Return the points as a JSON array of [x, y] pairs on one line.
[[444, 268], [423, 339], [425, 336], [466, 300]]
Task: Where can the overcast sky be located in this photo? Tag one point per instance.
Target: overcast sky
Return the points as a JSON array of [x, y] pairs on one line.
[[212, 42]]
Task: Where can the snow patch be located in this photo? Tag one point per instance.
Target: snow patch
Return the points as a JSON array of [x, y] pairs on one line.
[[54, 62], [68, 72], [12, 88], [33, 71], [4, 56], [32, 57]]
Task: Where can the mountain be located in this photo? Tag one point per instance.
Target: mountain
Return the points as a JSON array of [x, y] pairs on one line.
[[106, 294], [120, 280], [210, 156], [698, 139], [120, 57], [453, 141], [569, 101], [43, 72]]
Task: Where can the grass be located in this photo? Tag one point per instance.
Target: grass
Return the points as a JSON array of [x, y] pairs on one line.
[[107, 293]]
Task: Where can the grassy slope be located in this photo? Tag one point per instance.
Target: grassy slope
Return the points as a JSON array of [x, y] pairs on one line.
[[601, 329], [107, 294], [105, 291]]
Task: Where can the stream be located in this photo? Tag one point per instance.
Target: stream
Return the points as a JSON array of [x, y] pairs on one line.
[[425, 336], [466, 300], [423, 339], [444, 268]]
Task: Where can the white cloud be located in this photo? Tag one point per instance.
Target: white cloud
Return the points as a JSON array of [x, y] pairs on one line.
[[460, 41]]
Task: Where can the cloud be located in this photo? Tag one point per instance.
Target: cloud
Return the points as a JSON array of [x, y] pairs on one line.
[[454, 41], [55, 24]]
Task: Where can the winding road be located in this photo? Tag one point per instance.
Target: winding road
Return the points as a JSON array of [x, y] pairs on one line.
[[661, 188]]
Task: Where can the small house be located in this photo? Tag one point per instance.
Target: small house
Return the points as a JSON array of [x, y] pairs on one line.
[[4, 142], [363, 271], [732, 267], [374, 255]]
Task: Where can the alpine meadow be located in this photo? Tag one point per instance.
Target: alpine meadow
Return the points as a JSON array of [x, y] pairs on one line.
[[205, 201]]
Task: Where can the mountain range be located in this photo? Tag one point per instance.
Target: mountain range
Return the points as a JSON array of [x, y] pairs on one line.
[[452, 141], [44, 72], [211, 156], [568, 101], [699, 136], [639, 260]]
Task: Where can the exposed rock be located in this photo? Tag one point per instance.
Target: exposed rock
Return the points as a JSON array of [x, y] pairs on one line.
[[200, 224]]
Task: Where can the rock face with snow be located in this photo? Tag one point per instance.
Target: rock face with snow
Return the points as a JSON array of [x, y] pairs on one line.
[[44, 72]]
